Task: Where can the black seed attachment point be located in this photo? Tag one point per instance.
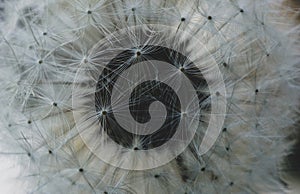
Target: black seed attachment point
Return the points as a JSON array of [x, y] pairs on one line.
[[105, 192], [45, 33], [133, 9], [203, 169], [268, 54], [256, 91], [224, 129], [241, 10], [49, 151], [40, 61], [218, 93], [182, 69], [29, 121], [104, 113], [138, 53], [225, 64], [182, 19], [54, 104], [209, 18], [214, 177], [231, 183], [156, 176], [227, 148], [9, 125], [29, 154], [135, 148], [80, 169], [89, 12]]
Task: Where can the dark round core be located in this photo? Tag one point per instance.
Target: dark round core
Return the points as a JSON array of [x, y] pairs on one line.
[[143, 95]]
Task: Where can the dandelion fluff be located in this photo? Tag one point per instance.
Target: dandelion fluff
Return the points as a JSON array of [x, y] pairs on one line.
[[101, 96]]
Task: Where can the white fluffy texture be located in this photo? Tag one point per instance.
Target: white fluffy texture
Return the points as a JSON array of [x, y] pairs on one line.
[[44, 42]]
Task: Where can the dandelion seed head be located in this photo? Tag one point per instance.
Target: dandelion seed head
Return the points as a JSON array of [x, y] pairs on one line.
[[148, 96]]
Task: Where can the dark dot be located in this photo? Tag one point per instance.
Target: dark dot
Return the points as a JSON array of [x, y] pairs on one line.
[[262, 23], [80, 169], [133, 9], [9, 125], [182, 69], [224, 129], [45, 33], [225, 64], [182, 19], [104, 112], [138, 53], [29, 121], [256, 91], [40, 61], [227, 148], [89, 12], [218, 93], [50, 152], [268, 54], [214, 177], [231, 183], [28, 154], [241, 10], [209, 17], [54, 104], [30, 47], [105, 192], [156, 176], [135, 148], [203, 169]]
